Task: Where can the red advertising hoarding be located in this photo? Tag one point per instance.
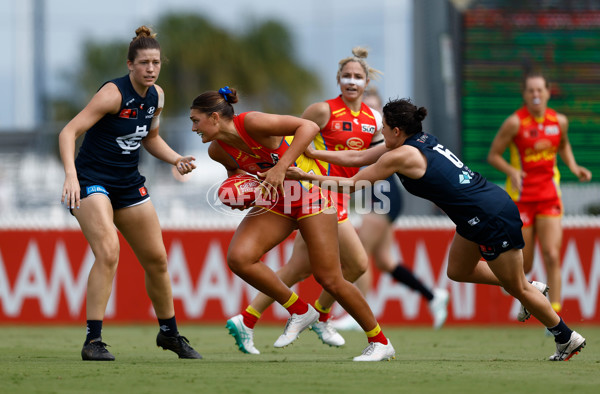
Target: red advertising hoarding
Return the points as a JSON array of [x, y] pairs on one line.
[[43, 276]]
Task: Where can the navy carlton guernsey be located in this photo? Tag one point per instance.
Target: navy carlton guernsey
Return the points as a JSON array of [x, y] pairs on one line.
[[464, 195], [110, 150]]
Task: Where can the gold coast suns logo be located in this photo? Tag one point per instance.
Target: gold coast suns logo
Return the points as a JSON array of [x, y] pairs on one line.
[[355, 143]]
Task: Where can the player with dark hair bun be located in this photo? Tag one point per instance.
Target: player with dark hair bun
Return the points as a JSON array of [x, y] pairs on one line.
[[376, 235], [487, 220]]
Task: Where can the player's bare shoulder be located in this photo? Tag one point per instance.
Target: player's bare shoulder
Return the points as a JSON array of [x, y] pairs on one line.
[[107, 100], [406, 160], [510, 126], [161, 100], [563, 121], [318, 113]]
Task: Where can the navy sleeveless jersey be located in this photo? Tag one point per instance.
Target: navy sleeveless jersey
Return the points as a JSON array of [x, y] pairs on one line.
[[110, 150], [468, 199]]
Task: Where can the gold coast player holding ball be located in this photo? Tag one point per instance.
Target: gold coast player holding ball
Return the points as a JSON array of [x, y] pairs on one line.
[[254, 142]]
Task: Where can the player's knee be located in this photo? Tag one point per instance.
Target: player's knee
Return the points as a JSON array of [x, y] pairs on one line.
[[107, 254], [455, 274], [234, 263], [355, 270], [301, 275], [514, 289], [351, 275], [237, 260], [552, 259], [328, 282], [156, 264]]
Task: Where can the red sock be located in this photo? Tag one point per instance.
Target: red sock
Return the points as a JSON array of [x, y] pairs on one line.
[[378, 338], [323, 317], [249, 319], [298, 306], [376, 335], [324, 313]]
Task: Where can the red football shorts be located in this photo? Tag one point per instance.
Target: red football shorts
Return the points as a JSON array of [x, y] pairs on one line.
[[529, 211]]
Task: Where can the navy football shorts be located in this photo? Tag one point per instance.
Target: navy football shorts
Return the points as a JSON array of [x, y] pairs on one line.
[[121, 196], [502, 233]]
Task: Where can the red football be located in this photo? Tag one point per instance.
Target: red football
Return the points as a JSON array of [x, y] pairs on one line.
[[238, 191]]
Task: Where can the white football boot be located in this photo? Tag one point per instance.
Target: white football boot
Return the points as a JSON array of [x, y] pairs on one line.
[[244, 336], [295, 325], [377, 351], [327, 334], [438, 307], [564, 351]]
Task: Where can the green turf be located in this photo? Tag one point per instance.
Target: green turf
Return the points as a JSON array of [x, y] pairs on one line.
[[452, 360]]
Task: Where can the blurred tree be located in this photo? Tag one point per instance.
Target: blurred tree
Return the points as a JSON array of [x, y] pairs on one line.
[[200, 56], [98, 64]]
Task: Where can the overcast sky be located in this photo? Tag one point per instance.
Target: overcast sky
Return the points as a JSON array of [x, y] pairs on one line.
[[324, 32]]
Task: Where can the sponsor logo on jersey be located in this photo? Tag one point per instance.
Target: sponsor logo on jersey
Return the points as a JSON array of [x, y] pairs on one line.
[[150, 112], [355, 143], [551, 130], [340, 125], [464, 178], [534, 155], [530, 133], [128, 113], [368, 128], [143, 191]]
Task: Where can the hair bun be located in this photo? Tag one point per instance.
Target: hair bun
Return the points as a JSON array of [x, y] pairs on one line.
[[144, 31], [360, 52], [420, 114]]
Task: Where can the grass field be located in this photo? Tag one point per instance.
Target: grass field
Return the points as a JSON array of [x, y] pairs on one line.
[[452, 360]]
